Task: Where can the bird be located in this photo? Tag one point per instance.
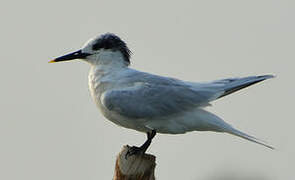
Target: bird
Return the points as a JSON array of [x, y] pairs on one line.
[[151, 103]]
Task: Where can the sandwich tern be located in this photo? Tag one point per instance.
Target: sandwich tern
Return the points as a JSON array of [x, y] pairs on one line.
[[150, 103]]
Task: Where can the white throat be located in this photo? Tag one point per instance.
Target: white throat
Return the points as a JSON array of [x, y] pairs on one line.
[[107, 61]]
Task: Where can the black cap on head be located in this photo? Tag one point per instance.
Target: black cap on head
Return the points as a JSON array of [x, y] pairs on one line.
[[112, 42]]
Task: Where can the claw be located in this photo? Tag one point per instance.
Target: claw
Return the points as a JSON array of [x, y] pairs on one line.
[[133, 151], [142, 149]]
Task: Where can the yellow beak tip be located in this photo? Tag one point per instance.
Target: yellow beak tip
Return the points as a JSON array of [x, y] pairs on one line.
[[52, 61]]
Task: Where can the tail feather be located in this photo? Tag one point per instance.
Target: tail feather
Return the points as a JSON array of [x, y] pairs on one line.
[[243, 135]]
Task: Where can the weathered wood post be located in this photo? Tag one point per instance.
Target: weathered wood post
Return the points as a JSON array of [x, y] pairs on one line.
[[135, 167]]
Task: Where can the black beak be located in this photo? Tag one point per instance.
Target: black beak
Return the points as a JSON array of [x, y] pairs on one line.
[[71, 56]]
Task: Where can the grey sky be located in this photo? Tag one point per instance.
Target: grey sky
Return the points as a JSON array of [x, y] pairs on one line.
[[51, 129]]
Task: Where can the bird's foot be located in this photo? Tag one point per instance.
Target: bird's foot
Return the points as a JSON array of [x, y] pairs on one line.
[[142, 149], [134, 150]]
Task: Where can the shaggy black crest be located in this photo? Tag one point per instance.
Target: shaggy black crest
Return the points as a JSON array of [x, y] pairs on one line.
[[113, 42]]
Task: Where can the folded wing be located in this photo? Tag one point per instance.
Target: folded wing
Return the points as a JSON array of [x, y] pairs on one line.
[[157, 96], [231, 85], [147, 100]]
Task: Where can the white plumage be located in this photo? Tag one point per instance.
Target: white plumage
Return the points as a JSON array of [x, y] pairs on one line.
[[147, 102]]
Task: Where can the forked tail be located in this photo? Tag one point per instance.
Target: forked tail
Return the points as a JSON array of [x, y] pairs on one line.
[[202, 120], [238, 133]]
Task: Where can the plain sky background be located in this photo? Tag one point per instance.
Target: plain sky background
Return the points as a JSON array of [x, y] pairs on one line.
[[50, 128]]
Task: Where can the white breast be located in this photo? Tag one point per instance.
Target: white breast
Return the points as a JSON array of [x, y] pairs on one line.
[[100, 82]]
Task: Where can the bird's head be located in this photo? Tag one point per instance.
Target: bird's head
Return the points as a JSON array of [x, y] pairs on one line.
[[104, 49]]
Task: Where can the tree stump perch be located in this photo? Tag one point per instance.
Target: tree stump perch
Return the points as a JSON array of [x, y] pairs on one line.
[[135, 167]]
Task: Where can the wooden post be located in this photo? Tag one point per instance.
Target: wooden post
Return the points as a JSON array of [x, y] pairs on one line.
[[135, 167]]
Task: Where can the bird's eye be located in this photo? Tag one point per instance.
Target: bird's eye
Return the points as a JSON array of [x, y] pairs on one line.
[[96, 47]]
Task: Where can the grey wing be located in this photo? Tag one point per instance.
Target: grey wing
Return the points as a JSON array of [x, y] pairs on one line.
[[157, 96], [154, 100], [224, 87], [231, 85]]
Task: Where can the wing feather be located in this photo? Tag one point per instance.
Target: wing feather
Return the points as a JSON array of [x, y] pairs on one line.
[[149, 96], [153, 100]]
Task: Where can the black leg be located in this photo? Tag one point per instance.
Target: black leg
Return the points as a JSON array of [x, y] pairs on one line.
[[142, 149]]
